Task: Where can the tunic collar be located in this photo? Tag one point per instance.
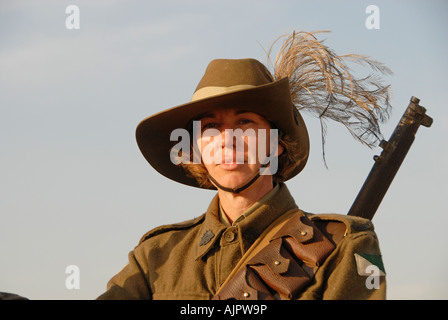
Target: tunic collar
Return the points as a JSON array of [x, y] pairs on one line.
[[249, 228], [245, 214]]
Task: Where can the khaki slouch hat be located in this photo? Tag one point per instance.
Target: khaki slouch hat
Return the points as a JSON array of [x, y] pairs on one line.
[[227, 83]]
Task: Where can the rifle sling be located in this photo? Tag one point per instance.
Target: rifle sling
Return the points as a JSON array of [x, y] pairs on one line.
[[280, 263]]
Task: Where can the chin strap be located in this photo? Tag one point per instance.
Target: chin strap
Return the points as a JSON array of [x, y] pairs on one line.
[[237, 189]]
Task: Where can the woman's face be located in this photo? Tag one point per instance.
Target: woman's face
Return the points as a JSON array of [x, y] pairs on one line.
[[231, 156]]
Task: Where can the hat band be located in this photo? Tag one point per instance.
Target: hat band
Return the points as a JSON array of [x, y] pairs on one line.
[[207, 92]]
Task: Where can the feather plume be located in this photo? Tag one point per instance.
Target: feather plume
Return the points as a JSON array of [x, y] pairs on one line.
[[322, 84]]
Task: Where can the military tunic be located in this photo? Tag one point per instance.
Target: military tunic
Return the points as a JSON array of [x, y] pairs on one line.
[[191, 260]]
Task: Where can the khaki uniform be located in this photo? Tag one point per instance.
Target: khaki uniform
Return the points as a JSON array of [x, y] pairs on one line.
[[191, 260]]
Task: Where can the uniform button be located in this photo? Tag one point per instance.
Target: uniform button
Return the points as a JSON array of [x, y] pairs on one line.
[[229, 235]]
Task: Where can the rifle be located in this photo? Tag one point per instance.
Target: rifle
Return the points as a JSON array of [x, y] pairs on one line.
[[387, 164]]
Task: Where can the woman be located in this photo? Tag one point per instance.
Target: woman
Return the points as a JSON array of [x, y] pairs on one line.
[[253, 242]]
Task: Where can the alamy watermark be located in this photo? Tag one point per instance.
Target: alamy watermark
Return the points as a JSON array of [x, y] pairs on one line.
[[237, 146], [373, 20], [72, 282], [73, 20], [373, 280]]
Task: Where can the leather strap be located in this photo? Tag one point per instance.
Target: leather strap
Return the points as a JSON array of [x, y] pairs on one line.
[[234, 190], [281, 263]]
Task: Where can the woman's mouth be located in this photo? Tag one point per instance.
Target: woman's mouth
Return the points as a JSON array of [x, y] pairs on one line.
[[229, 166]]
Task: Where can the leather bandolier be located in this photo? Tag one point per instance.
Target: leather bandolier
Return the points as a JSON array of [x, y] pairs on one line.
[[283, 262]]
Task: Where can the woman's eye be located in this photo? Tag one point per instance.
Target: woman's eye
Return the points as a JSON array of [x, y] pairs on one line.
[[210, 125], [245, 121]]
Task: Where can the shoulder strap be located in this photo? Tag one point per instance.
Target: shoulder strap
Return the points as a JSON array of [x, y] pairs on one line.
[[169, 227], [281, 262]]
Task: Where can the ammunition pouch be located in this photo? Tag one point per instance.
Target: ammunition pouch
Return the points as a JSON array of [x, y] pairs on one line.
[[287, 264]]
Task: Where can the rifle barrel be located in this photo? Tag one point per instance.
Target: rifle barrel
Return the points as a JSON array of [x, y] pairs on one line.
[[387, 164]]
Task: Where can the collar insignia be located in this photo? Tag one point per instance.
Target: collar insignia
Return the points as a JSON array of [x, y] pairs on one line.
[[208, 235]]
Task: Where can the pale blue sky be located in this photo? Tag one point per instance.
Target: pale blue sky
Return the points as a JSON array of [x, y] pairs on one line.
[[75, 188]]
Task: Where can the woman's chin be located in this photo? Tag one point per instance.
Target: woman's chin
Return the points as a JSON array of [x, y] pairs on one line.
[[233, 179]]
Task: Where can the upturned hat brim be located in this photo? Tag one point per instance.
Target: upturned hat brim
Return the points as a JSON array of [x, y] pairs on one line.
[[271, 100]]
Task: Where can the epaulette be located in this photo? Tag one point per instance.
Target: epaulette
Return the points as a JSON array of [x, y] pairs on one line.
[[170, 227], [337, 226]]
